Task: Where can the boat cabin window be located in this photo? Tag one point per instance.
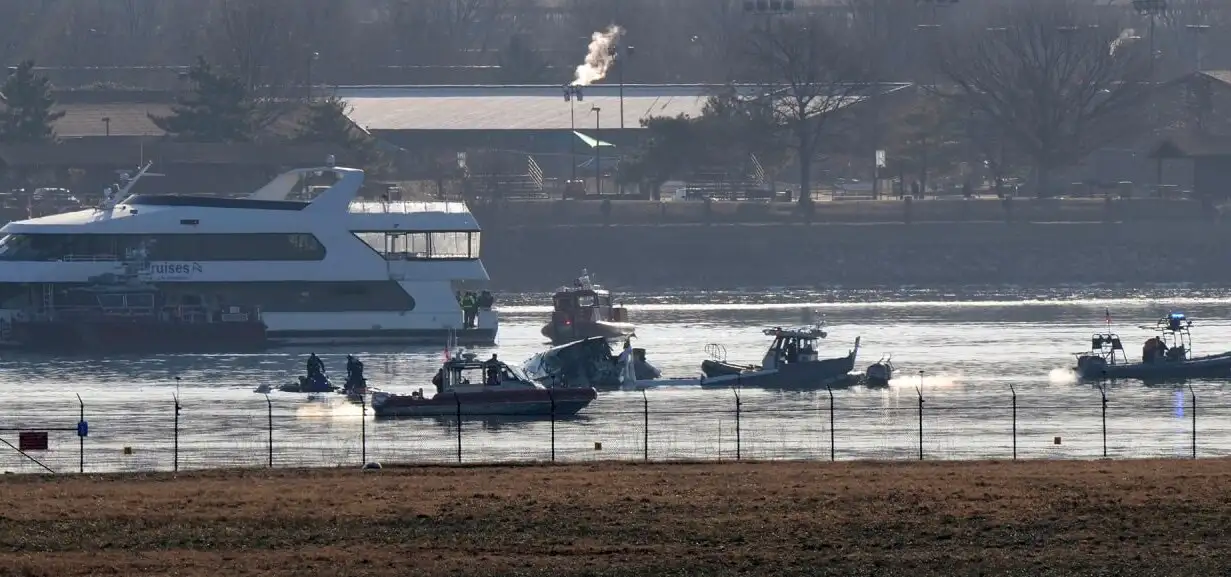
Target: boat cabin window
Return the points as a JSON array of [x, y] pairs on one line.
[[162, 247], [423, 245], [567, 302]]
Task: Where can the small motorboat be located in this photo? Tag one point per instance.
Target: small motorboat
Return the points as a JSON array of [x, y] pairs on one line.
[[320, 384], [585, 310], [588, 362], [791, 362], [879, 373], [472, 388], [1164, 357]]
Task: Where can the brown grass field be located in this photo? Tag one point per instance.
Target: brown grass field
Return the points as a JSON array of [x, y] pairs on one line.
[[1026, 518]]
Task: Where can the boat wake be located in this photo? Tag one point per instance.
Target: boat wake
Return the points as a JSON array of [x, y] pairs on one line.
[[928, 381], [1062, 376]]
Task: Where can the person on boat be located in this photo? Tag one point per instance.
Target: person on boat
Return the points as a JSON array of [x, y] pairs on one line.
[[792, 352], [492, 370], [316, 367], [470, 309], [354, 373], [486, 301], [1154, 350], [439, 380]]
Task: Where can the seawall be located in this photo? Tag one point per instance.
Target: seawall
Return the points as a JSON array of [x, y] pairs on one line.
[[522, 255]]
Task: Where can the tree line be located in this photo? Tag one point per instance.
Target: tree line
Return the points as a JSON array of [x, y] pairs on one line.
[[267, 42], [216, 107], [1025, 90]]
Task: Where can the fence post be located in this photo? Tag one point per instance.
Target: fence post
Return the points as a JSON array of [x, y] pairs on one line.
[[1194, 398], [270, 405], [1103, 393], [363, 430], [458, 400], [552, 398], [1013, 391], [737, 411], [832, 443], [645, 427], [175, 439], [82, 431], [919, 392]]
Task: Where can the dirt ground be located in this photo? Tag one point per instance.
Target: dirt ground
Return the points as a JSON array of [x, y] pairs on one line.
[[1029, 518]]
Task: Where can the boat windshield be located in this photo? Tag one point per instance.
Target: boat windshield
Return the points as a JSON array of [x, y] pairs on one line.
[[519, 373]]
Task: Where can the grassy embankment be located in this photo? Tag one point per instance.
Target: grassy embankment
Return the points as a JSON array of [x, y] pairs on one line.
[[1030, 518]]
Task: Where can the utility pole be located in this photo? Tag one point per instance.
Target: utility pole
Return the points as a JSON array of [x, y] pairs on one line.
[[1151, 9], [598, 146], [572, 94]]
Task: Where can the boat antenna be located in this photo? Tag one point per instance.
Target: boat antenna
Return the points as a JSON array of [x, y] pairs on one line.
[[112, 194]]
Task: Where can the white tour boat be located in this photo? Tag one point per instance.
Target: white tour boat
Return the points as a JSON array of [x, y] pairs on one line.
[[335, 269]]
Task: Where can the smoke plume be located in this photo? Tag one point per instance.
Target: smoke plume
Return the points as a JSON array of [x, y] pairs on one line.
[[1124, 36], [600, 56]]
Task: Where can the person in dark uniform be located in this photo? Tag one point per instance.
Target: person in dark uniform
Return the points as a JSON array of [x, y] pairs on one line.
[[492, 370], [354, 373], [486, 301], [316, 367], [470, 309]]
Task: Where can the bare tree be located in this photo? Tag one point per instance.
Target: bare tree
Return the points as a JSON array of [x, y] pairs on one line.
[[1057, 81], [811, 69]]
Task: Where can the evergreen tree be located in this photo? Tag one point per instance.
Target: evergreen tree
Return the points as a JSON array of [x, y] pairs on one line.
[[26, 115], [327, 122], [216, 110]]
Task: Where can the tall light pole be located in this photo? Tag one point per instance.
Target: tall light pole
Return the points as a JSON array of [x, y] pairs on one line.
[[621, 55], [311, 62], [598, 146], [572, 94], [1199, 31], [1151, 9]]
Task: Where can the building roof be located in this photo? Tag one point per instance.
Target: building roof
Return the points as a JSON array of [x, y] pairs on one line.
[[540, 107], [82, 153], [127, 119]]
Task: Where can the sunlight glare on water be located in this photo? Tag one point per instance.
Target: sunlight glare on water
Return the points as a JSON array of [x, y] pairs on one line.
[[970, 346]]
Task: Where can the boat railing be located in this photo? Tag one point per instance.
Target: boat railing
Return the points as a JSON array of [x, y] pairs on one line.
[[89, 258], [191, 314]]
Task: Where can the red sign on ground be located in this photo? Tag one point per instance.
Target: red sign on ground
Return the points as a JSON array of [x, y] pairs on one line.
[[32, 440]]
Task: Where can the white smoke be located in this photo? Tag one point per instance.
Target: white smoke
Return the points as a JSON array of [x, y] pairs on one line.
[[1125, 36], [600, 56]]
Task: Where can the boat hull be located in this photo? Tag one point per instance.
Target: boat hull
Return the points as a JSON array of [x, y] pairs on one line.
[[580, 331], [542, 403], [1209, 367], [810, 375], [127, 336]]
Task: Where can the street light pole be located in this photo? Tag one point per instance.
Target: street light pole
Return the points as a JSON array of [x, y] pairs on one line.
[[1198, 30], [311, 61], [571, 94], [598, 146], [1151, 9]]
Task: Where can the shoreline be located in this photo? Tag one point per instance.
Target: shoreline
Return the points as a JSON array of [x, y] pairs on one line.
[[1133, 517]]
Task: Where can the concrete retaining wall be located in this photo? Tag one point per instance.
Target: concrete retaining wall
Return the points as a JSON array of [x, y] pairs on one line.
[[860, 255]]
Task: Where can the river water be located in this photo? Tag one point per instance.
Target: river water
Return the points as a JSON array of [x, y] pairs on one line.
[[966, 352]]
